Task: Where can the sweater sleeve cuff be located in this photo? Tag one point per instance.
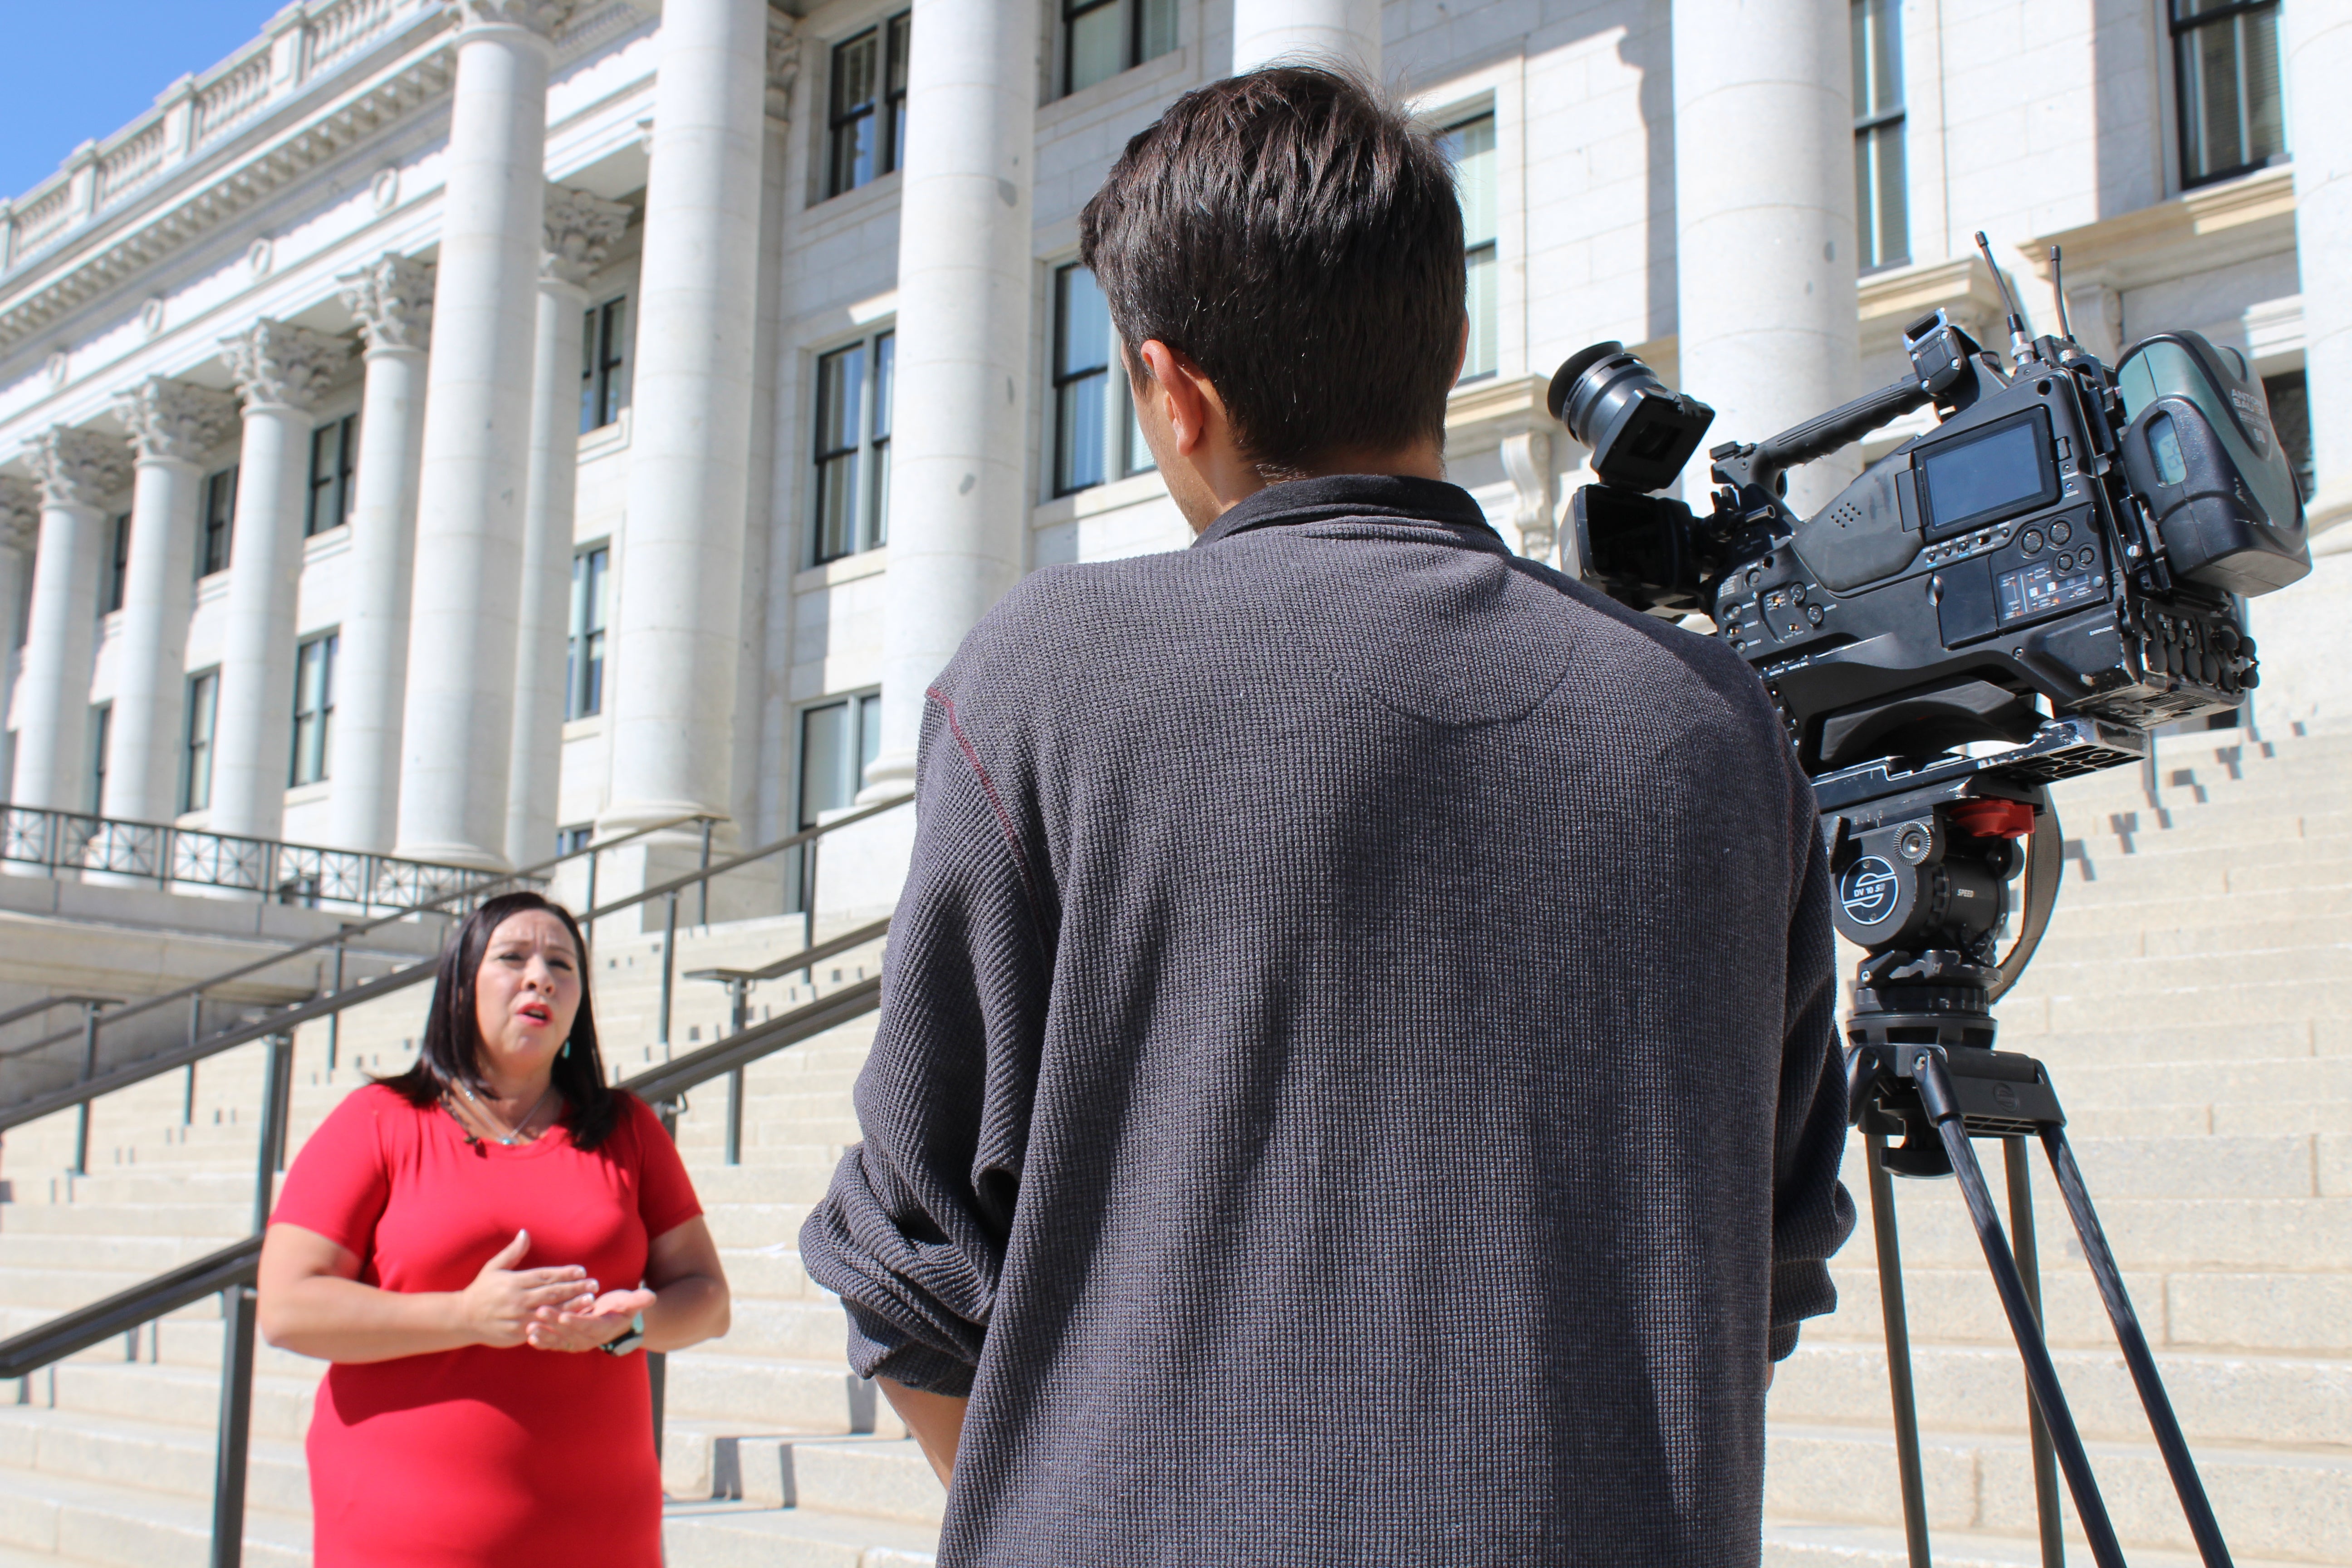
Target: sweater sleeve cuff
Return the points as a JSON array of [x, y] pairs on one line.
[[877, 1349]]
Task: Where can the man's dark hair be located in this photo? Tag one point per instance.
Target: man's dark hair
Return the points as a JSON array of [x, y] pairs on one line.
[[1298, 237]]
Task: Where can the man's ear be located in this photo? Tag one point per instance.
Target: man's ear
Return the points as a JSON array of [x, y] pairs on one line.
[[1181, 393]]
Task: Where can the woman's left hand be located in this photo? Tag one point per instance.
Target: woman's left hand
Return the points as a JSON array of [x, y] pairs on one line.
[[605, 1321]]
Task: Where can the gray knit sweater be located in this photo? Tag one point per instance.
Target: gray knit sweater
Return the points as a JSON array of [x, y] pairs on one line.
[[1355, 1080]]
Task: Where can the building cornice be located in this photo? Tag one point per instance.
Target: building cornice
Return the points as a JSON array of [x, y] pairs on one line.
[[2196, 231]]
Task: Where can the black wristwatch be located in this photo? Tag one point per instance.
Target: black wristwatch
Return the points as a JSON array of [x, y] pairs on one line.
[[628, 1342]]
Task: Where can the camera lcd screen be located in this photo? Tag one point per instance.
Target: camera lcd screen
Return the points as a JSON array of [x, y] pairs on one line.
[[1989, 475]]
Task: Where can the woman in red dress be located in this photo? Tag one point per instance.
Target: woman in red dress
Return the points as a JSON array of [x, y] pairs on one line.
[[483, 1246]]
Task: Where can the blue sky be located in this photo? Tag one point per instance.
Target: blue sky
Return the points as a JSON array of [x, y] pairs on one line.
[[84, 68]]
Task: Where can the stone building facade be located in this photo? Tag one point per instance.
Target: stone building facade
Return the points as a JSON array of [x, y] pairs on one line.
[[458, 429]]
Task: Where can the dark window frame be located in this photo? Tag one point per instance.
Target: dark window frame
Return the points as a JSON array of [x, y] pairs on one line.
[[1132, 40], [314, 727], [584, 678], [603, 364], [337, 442], [2178, 30], [101, 740], [1868, 125], [218, 539], [864, 463], [884, 104], [196, 743], [118, 577]]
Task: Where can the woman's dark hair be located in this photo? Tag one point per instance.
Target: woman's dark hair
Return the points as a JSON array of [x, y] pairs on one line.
[[450, 1054], [1298, 237]]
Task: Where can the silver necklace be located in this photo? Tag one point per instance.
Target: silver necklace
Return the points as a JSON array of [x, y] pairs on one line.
[[515, 1132]]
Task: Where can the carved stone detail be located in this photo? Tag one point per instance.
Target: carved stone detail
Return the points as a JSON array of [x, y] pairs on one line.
[[581, 229], [545, 17], [20, 513], [392, 298], [1526, 459], [282, 366], [783, 63], [170, 419], [79, 468]]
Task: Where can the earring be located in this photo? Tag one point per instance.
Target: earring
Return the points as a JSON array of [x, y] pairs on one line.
[[566, 1050]]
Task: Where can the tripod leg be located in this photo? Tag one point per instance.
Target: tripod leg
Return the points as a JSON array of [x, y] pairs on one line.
[[2136, 1356], [2041, 1373], [1898, 1352], [2020, 1181]]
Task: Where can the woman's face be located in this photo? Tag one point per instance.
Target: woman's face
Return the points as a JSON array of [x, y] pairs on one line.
[[525, 994]]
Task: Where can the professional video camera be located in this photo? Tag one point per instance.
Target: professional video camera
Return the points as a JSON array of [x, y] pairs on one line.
[[2020, 595]]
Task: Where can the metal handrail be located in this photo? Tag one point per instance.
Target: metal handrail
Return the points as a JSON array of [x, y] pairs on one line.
[[71, 1332]]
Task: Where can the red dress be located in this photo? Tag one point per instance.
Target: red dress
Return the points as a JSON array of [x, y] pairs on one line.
[[482, 1458]]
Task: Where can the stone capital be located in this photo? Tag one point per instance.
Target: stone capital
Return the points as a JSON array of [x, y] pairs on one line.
[[171, 420], [1526, 459], [79, 468], [281, 366], [544, 18], [392, 298], [20, 513], [783, 63], [581, 229]]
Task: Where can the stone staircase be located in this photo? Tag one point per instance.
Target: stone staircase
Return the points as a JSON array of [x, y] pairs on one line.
[[2189, 1001]]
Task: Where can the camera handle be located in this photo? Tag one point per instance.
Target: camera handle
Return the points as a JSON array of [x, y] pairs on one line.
[[1762, 464]]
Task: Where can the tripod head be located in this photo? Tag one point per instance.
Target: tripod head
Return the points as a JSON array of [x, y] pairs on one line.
[[1922, 860]]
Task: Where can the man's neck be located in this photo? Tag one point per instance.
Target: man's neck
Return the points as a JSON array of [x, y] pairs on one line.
[[1218, 487]]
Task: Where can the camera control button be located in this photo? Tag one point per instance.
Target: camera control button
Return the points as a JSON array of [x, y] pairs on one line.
[[2061, 531], [2030, 541]]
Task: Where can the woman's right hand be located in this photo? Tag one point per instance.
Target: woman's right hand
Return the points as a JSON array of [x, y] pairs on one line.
[[503, 1301]]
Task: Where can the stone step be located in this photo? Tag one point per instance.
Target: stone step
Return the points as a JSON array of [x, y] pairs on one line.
[[2298, 1313], [172, 1396], [2218, 1004], [175, 1460], [2256, 1402], [876, 1476], [125, 1527], [2276, 1502], [2246, 1236], [770, 1393], [2063, 971], [1794, 1544], [226, 1220], [751, 1535]]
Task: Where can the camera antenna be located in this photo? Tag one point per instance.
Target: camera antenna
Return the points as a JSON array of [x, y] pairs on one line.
[[2021, 347], [2058, 287]]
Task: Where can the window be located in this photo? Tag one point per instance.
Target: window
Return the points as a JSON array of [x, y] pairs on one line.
[[119, 571], [838, 739], [101, 726], [584, 663], [574, 839], [1101, 38], [1470, 145], [334, 450], [314, 706], [2290, 399], [603, 364], [853, 447], [220, 514], [2226, 58], [196, 770], [868, 123], [1882, 210], [1095, 434]]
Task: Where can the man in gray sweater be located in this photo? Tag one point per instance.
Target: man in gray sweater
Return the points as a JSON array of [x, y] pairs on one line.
[[1356, 1080]]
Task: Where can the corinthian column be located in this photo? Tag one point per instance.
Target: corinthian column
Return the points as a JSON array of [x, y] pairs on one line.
[[958, 487], [581, 229], [1338, 32], [459, 707], [79, 473], [2318, 63], [392, 298], [1764, 220], [280, 371], [681, 563], [20, 523], [174, 426]]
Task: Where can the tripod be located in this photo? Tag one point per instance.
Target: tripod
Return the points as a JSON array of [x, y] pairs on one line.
[[1922, 861]]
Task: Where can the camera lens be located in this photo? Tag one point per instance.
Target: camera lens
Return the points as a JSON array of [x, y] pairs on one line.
[[1640, 432]]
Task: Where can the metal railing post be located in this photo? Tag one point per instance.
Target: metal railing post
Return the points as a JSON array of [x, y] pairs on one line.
[[808, 912], [658, 1365], [706, 873], [590, 923], [195, 1032], [270, 1158], [669, 971], [163, 860], [335, 1018], [88, 1070], [740, 994], [235, 1425]]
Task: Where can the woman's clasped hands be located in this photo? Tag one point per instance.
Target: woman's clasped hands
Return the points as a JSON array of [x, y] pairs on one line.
[[551, 1309]]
